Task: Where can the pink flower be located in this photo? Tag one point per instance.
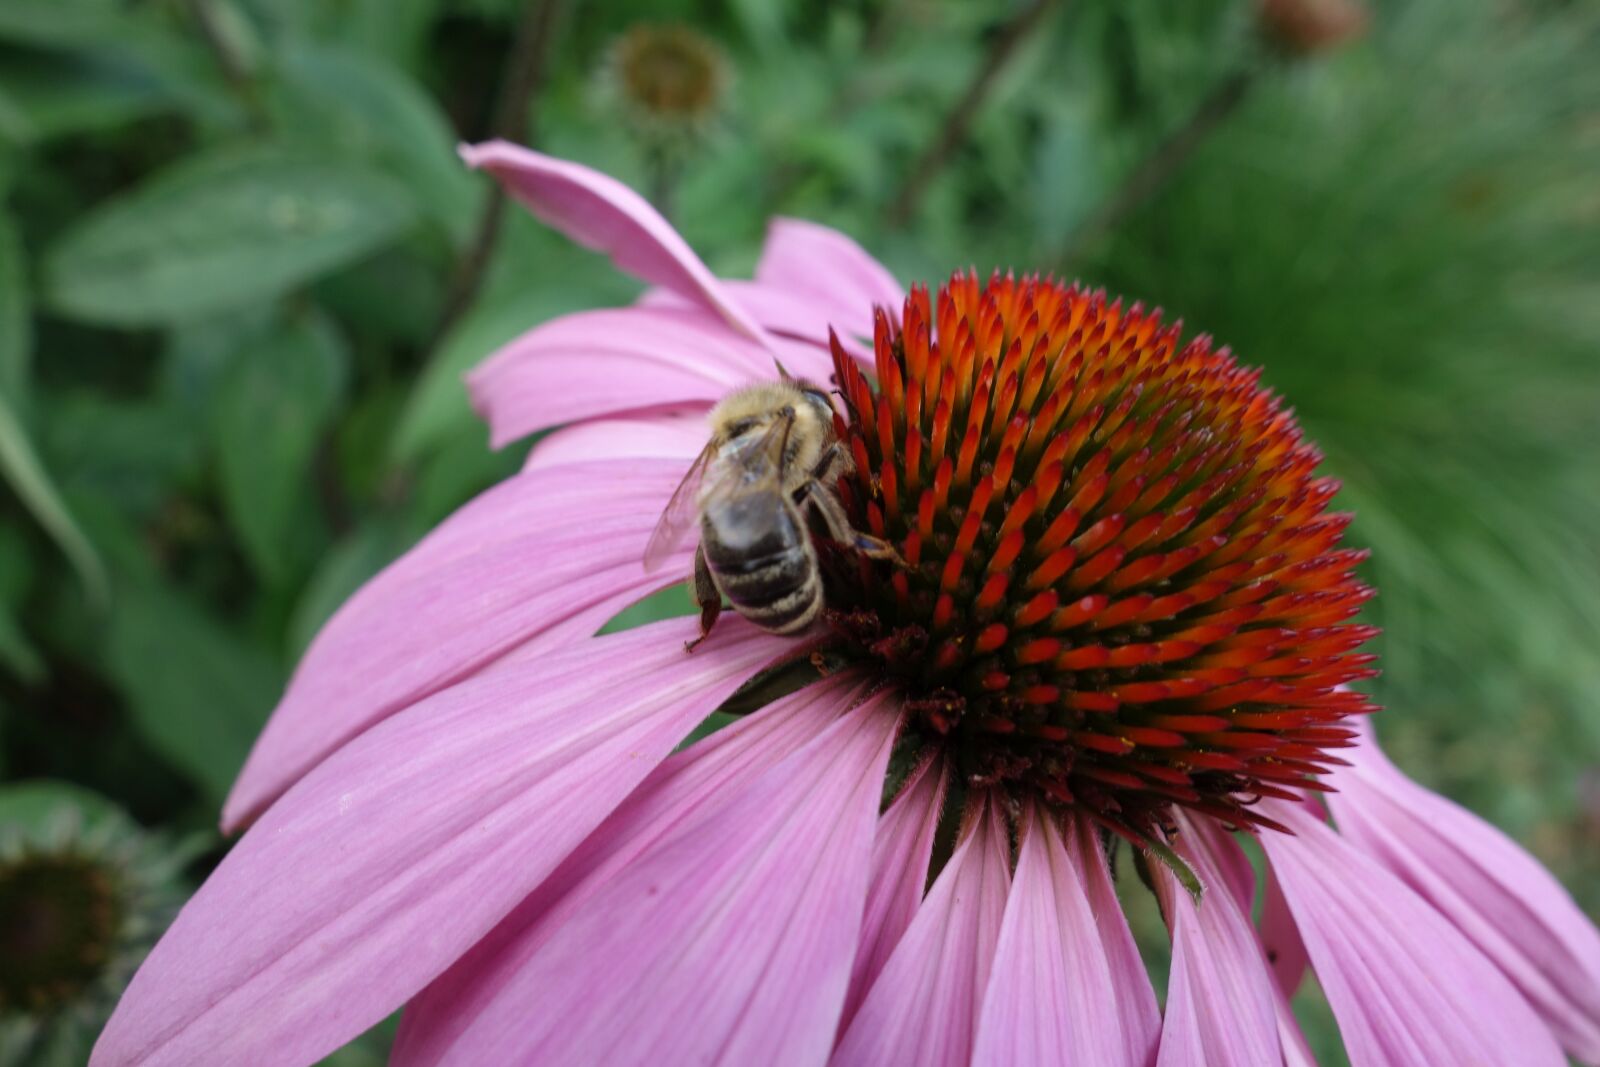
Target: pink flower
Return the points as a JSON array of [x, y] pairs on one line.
[[1124, 611]]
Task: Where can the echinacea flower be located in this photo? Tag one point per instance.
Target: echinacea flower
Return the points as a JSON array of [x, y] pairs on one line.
[[1124, 615], [84, 893], [667, 81]]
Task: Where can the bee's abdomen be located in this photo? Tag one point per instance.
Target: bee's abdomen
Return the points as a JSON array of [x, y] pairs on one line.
[[780, 593], [760, 561]]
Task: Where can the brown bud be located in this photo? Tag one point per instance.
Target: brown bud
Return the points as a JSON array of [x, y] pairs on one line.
[[1308, 27]]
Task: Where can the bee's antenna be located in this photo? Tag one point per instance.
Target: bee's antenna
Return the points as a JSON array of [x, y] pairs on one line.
[[783, 372]]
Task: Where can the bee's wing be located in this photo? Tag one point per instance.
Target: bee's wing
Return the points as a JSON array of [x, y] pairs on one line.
[[749, 464], [752, 462], [679, 514]]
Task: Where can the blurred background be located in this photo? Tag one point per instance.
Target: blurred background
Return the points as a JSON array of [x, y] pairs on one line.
[[241, 272]]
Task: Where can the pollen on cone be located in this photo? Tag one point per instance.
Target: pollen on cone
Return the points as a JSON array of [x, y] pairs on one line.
[[1123, 584]]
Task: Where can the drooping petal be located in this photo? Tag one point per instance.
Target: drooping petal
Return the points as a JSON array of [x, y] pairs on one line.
[[1051, 998], [832, 270], [539, 554], [726, 939], [592, 364], [400, 851], [683, 786], [600, 212], [1484, 883], [1296, 1051], [1138, 1016], [676, 434], [923, 1008], [1280, 940], [1220, 1006], [1406, 986], [900, 857], [1280, 945]]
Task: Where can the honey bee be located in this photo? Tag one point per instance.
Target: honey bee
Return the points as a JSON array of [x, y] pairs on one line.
[[773, 459]]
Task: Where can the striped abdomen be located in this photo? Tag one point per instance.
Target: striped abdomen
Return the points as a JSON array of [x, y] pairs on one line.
[[760, 557]]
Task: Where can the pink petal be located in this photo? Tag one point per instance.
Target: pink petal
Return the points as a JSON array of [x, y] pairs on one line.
[[597, 363], [1485, 884], [801, 319], [509, 566], [1220, 997], [900, 858], [1138, 1015], [1406, 986], [1296, 1053], [1051, 998], [1280, 940], [725, 939], [797, 323], [680, 788], [678, 434], [409, 844], [600, 212], [809, 259], [923, 1009]]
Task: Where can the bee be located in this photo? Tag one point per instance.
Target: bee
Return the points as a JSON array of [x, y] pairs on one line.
[[772, 462]]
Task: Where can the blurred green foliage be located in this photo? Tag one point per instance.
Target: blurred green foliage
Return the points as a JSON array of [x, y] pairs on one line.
[[233, 237]]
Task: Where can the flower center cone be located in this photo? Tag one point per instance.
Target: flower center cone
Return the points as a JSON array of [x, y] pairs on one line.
[[58, 924], [1124, 590]]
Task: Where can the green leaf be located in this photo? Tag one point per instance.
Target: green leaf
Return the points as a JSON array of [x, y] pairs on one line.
[[394, 297], [461, 467], [15, 128], [568, 280], [159, 45], [234, 227], [20, 466], [50, 96], [35, 802], [274, 403], [135, 454], [17, 653], [199, 354], [363, 108], [64, 23], [341, 571], [16, 325], [438, 406], [197, 694]]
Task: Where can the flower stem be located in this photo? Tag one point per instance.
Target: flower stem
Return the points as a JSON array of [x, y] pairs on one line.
[[663, 174], [956, 123], [232, 60], [513, 119], [1168, 157]]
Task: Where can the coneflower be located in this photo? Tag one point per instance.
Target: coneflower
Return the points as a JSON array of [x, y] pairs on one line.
[[668, 80], [669, 85], [84, 893], [1124, 614]]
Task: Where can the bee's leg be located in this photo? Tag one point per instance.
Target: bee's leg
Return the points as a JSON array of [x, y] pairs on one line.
[[824, 465], [825, 504], [707, 596]]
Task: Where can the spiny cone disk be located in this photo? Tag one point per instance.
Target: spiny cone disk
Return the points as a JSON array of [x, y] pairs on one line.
[[1124, 589]]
